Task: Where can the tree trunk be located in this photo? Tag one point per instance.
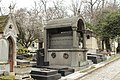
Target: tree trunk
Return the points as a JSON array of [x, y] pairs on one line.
[[107, 44], [103, 45], [118, 48]]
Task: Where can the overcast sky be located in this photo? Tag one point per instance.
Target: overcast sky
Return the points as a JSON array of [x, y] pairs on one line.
[[19, 3], [24, 4]]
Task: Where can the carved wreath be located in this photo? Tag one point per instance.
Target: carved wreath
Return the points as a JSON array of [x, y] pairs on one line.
[[53, 55], [65, 55]]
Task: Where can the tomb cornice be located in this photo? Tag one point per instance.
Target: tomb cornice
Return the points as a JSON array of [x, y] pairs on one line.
[[67, 50], [58, 26]]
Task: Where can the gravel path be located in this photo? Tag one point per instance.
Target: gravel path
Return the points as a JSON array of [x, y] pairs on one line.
[[109, 72]]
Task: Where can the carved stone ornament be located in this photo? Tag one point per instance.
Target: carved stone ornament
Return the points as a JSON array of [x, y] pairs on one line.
[[65, 55], [53, 55]]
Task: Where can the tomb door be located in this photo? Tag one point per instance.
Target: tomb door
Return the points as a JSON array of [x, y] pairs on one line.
[[3, 50], [11, 53]]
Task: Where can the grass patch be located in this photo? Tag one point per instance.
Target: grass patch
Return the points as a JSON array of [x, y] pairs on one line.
[[83, 71], [7, 77]]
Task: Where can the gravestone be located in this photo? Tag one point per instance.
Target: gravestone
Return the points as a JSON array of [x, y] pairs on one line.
[[40, 57]]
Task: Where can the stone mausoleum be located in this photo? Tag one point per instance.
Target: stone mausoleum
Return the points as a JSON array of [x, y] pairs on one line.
[[8, 35], [65, 42]]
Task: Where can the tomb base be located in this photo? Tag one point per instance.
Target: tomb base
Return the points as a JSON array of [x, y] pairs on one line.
[[67, 57], [63, 70], [44, 74]]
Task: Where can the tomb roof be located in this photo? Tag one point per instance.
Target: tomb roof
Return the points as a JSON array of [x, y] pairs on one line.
[[65, 22], [3, 22]]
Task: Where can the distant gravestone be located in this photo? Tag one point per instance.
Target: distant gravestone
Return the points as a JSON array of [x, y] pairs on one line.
[[4, 48]]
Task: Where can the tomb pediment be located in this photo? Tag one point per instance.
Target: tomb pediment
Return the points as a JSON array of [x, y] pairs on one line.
[[7, 24]]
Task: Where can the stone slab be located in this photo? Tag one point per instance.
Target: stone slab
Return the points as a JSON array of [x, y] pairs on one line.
[[45, 72], [49, 77], [55, 67], [63, 70]]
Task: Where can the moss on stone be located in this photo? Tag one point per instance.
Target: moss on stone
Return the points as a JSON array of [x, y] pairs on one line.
[[3, 22]]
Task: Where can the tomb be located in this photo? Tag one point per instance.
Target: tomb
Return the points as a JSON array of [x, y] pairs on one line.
[[8, 35], [91, 42], [65, 42]]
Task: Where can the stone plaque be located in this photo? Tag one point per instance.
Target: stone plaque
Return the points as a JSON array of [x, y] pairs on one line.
[[3, 50]]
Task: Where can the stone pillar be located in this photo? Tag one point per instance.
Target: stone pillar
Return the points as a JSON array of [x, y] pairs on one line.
[[84, 45], [15, 54], [84, 40], [45, 44], [74, 37]]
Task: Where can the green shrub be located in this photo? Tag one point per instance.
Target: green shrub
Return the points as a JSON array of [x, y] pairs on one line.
[[22, 51]]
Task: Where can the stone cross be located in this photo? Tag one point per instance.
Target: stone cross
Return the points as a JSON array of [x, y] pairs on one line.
[[11, 7]]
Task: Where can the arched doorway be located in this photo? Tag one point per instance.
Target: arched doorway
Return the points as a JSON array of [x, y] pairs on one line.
[[11, 53], [81, 33], [80, 25]]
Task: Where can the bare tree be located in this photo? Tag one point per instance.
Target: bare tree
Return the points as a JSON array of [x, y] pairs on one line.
[[29, 25], [55, 11], [75, 6], [1, 8]]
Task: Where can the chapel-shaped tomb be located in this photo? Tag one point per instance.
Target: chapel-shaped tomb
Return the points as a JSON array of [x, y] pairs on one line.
[[65, 42]]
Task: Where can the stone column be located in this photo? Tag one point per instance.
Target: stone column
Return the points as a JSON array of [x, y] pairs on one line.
[[84, 45], [74, 37], [15, 54], [84, 40], [45, 44]]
